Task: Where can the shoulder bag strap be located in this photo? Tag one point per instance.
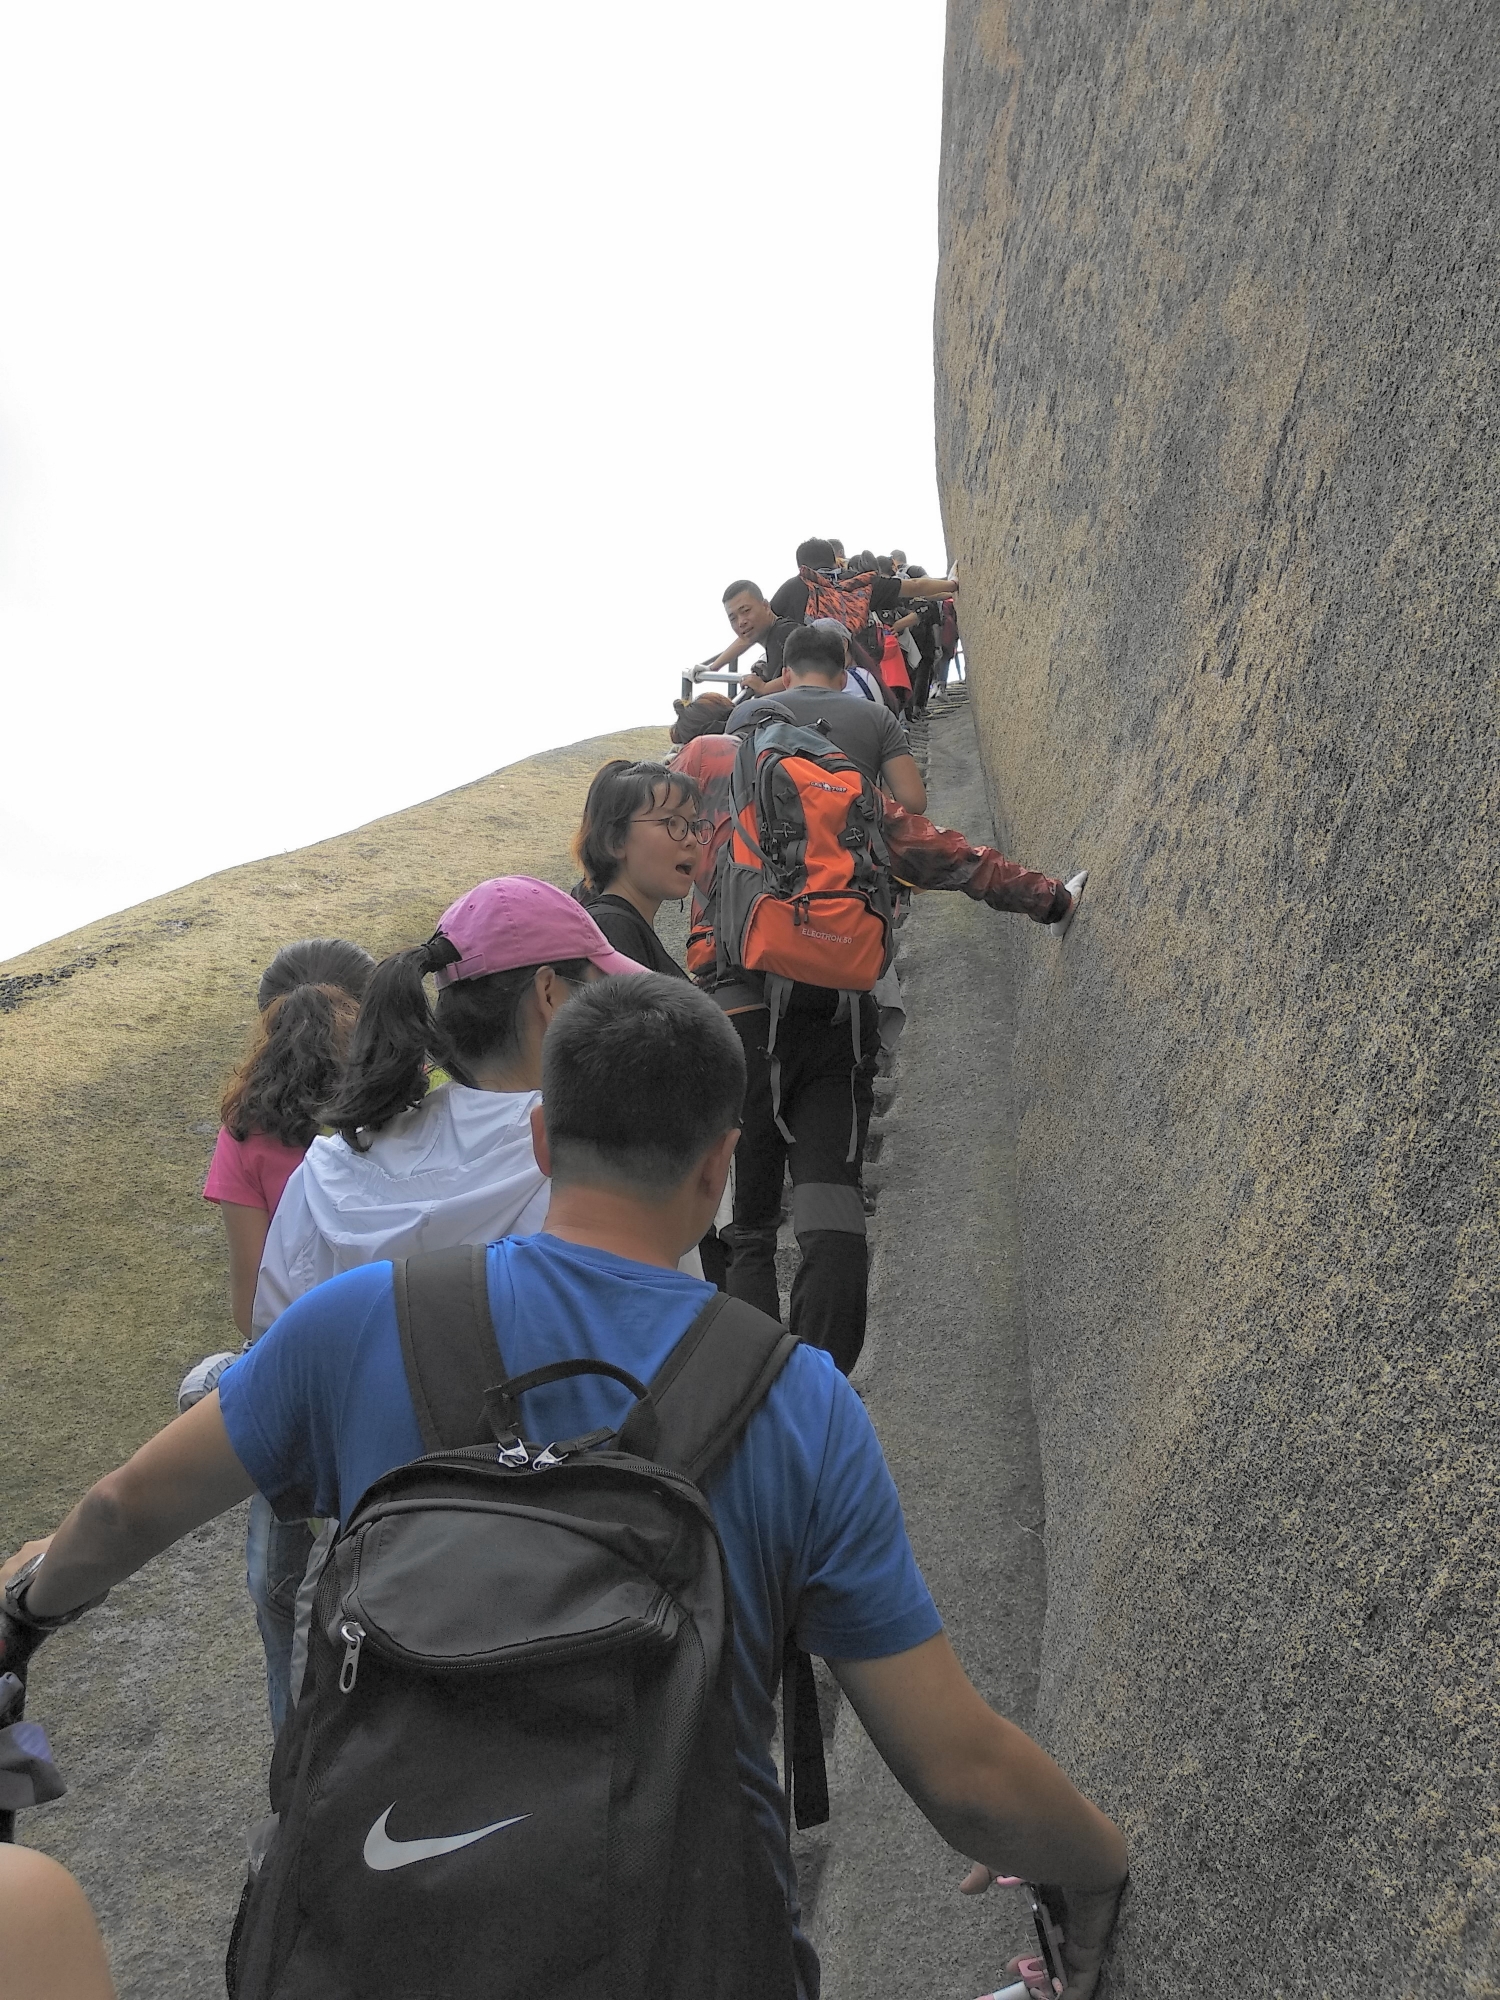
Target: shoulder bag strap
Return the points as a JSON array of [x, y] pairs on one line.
[[448, 1343], [705, 1392], [711, 1384]]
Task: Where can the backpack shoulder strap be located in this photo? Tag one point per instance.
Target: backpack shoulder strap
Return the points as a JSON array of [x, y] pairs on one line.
[[712, 1382], [448, 1343]]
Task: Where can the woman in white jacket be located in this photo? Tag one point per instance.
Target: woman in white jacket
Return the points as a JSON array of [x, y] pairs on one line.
[[412, 1168]]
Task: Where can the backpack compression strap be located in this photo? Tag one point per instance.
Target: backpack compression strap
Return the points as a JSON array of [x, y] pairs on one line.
[[448, 1343]]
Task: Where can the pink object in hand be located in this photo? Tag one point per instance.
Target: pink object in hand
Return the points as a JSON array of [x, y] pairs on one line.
[[1033, 1980], [1034, 1973]]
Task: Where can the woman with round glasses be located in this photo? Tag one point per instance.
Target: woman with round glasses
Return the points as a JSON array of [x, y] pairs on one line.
[[643, 834], [641, 840]]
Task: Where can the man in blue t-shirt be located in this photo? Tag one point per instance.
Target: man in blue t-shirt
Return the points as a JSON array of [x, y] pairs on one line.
[[642, 1084]]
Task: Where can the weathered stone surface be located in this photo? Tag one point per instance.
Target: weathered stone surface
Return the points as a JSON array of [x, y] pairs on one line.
[[1217, 434]]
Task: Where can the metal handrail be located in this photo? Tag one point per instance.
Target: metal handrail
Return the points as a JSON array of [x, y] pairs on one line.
[[695, 676]]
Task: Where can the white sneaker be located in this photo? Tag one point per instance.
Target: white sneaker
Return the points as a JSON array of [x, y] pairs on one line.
[[202, 1380], [1075, 887]]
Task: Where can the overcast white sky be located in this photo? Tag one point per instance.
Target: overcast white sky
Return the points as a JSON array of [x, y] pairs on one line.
[[389, 391]]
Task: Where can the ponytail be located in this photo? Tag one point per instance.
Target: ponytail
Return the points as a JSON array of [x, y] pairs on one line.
[[399, 1036], [394, 1040]]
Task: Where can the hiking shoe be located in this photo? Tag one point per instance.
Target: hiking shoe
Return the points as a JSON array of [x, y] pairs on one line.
[[1075, 887], [202, 1380]]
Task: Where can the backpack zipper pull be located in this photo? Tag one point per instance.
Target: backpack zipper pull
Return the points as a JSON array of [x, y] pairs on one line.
[[353, 1637]]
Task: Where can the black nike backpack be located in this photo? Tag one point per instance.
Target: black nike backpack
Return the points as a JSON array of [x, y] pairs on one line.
[[511, 1768]]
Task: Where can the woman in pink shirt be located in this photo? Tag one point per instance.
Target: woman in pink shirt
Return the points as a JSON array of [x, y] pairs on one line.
[[273, 1104]]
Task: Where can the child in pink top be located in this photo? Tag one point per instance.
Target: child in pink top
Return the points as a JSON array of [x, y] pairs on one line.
[[273, 1104], [272, 1107], [251, 1172]]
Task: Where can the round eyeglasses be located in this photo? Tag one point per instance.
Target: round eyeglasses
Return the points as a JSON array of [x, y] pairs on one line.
[[678, 828]]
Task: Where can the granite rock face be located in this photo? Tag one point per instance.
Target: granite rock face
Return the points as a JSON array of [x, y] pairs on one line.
[[1219, 442]]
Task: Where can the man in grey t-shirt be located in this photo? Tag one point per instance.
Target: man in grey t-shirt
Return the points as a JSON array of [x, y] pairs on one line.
[[870, 737], [823, 1083]]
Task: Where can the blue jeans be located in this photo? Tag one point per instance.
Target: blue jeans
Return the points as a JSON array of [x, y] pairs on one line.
[[276, 1555]]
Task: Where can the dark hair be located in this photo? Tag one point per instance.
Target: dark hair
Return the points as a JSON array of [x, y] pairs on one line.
[[308, 998], [743, 584], [885, 566], [705, 716], [316, 962], [398, 1035], [639, 1077], [618, 792], [812, 648], [863, 564], [898, 555], [915, 569], [837, 547], [816, 554]]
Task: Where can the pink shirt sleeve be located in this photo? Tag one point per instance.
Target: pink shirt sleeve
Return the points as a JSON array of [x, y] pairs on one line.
[[253, 1172]]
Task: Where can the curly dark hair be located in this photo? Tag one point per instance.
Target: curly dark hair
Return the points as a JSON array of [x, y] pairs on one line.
[[617, 794], [309, 1000]]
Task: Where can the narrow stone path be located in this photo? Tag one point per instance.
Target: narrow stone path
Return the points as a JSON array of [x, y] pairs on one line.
[[945, 1377], [156, 1705]]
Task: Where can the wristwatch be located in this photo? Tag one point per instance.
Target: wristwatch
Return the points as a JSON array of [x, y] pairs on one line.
[[15, 1600]]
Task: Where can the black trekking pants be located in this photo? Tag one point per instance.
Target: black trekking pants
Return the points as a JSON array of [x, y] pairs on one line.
[[824, 1095]]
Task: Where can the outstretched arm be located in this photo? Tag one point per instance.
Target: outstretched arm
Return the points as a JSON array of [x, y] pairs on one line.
[[179, 1479], [730, 654], [924, 856], [991, 1791], [929, 586]]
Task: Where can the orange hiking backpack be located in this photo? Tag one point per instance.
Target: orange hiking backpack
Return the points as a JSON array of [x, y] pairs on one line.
[[802, 890], [848, 600]]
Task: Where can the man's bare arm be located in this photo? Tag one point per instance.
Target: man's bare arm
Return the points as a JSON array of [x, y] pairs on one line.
[[929, 586], [991, 1791], [986, 1786], [179, 1479], [901, 778]]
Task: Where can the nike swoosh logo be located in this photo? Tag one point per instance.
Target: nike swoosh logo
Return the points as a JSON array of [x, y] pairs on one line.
[[382, 1852]]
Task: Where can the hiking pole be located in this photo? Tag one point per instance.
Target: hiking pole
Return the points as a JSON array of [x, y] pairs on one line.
[[28, 1776]]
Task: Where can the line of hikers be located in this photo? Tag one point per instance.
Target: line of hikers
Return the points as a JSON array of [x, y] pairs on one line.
[[546, 1502], [902, 624]]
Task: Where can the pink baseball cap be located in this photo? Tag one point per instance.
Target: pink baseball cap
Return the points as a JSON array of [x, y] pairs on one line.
[[515, 920]]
